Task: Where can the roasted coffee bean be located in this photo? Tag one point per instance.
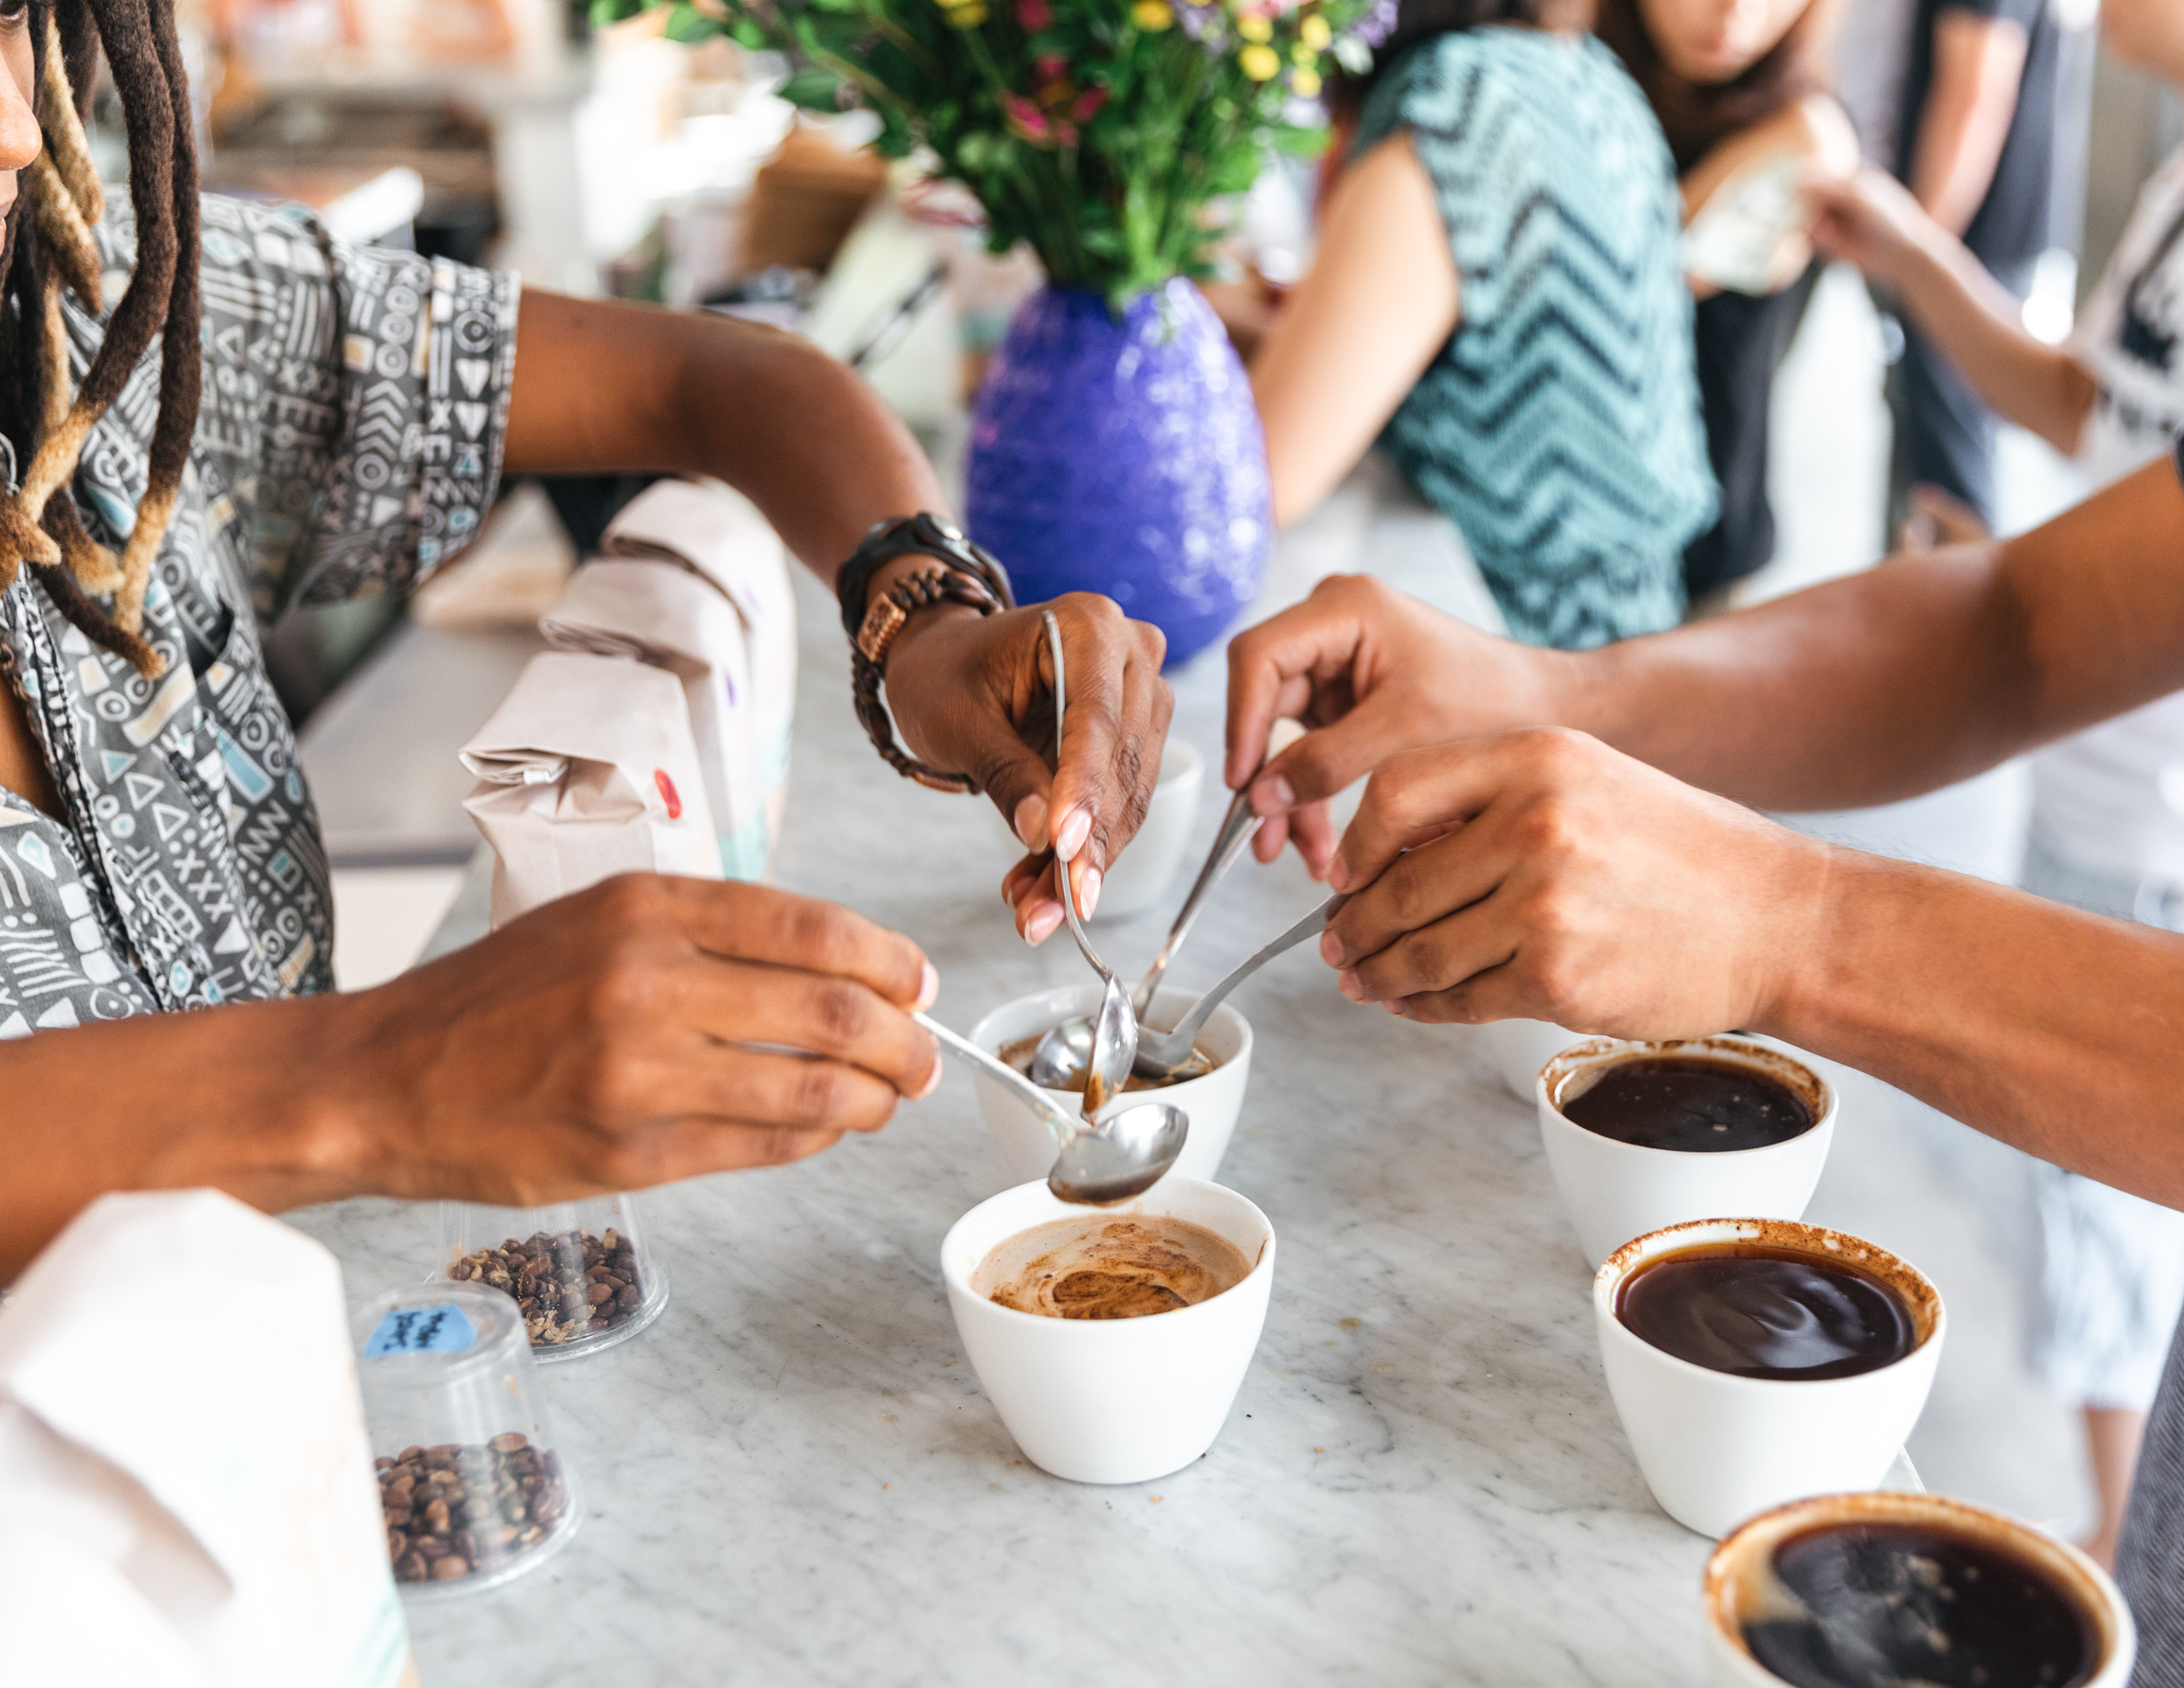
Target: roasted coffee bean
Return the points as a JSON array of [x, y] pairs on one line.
[[555, 1279], [453, 1511]]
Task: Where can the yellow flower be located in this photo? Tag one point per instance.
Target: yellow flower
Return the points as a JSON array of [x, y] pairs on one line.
[[1302, 56], [1260, 64], [1253, 27], [967, 18], [1314, 33], [1151, 16], [1305, 85]]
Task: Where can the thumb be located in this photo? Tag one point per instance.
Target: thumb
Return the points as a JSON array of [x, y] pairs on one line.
[[1320, 764], [1017, 778]]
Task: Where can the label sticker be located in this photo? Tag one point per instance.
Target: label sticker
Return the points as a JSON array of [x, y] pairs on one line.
[[441, 1330]]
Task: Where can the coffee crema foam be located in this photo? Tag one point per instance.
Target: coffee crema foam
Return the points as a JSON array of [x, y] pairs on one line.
[[1098, 1268]]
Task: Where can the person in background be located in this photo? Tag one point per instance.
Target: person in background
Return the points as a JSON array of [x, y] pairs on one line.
[[1497, 298], [1976, 149], [265, 417], [2108, 805], [1740, 89]]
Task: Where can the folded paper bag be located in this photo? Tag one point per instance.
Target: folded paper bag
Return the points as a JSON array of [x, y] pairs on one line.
[[673, 619], [585, 771], [186, 1497], [719, 535]]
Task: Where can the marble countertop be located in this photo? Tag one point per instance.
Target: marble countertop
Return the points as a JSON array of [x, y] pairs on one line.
[[793, 1476]]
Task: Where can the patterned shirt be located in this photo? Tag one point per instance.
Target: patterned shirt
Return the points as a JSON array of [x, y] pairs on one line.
[[349, 443], [1560, 427]]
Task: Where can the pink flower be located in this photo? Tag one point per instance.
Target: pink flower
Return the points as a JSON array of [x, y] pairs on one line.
[[1051, 67], [1065, 132], [1088, 103], [1032, 15], [1024, 117]]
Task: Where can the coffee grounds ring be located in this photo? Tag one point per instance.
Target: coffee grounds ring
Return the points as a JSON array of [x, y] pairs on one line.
[[456, 1511], [570, 1285]]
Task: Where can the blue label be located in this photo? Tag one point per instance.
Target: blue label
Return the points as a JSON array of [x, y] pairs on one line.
[[441, 1330]]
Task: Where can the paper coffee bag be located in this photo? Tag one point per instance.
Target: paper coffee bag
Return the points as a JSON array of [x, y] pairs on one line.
[[186, 1491], [588, 770], [719, 537]]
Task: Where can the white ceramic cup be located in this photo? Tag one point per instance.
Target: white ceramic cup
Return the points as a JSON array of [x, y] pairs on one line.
[[1522, 1047], [1213, 1103], [1112, 1400], [1617, 1191], [1140, 876], [1715, 1448], [1739, 1576]]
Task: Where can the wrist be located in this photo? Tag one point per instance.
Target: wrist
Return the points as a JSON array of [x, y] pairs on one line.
[[924, 618], [1800, 968]]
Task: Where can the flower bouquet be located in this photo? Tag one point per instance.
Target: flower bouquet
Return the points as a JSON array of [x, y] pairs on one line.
[[1115, 447]]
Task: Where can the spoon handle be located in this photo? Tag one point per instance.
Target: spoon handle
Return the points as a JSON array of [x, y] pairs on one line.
[[1186, 1029], [1238, 827], [1057, 1122], [1061, 867]]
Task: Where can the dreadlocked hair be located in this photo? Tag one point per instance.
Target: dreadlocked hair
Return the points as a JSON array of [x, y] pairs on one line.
[[48, 248]]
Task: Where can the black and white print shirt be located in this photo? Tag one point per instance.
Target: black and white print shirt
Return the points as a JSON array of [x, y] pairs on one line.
[[349, 443]]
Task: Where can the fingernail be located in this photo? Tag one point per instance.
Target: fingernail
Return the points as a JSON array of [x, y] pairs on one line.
[[927, 987], [1331, 950], [1396, 1006], [1350, 985], [1075, 831], [1338, 872], [1272, 795], [1042, 925], [1030, 822], [1088, 893], [932, 1080]]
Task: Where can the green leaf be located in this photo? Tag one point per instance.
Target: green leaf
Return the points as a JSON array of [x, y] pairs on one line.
[[812, 88]]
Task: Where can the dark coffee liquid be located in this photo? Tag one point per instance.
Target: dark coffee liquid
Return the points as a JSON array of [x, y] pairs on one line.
[[1755, 1311], [1691, 1103], [1894, 1603]]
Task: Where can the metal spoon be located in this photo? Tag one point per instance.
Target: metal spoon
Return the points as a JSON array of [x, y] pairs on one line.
[[1102, 1161], [1162, 1053], [1064, 1051], [1115, 1030]]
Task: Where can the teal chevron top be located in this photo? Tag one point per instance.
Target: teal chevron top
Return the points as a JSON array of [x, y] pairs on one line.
[[1560, 427]]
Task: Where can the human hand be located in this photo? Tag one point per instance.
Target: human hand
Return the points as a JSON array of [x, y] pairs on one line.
[[1370, 671], [1540, 874], [1869, 219], [629, 1034], [976, 695]]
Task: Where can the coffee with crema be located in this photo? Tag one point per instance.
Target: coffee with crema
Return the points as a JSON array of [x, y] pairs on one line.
[[1754, 1310], [1095, 1267], [1876, 1604]]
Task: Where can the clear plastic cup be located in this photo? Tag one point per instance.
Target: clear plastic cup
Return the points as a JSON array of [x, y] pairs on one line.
[[580, 1271], [472, 1490]]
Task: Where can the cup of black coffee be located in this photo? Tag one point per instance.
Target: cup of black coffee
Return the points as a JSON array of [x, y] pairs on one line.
[[1845, 1591], [1755, 1361], [1642, 1135]]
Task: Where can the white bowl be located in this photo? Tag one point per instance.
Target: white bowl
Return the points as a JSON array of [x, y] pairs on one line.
[[1213, 1103], [1522, 1047], [1617, 1191], [1715, 1448], [1740, 1571], [1112, 1400]]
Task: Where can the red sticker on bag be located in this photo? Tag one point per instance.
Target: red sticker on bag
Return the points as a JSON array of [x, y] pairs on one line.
[[668, 794]]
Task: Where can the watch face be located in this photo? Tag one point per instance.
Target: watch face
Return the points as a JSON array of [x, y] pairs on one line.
[[947, 529]]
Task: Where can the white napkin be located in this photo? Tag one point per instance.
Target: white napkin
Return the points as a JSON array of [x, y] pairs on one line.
[[695, 582], [188, 1491], [585, 771]]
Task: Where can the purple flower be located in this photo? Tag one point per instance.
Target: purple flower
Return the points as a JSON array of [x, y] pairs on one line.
[[1376, 25]]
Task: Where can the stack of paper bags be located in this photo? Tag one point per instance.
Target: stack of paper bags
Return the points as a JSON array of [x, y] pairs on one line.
[[694, 582], [186, 1489]]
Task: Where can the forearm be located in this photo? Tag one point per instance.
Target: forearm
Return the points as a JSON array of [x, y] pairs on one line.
[[611, 389], [1978, 326], [2048, 1028], [246, 1099], [1978, 65], [1921, 671]]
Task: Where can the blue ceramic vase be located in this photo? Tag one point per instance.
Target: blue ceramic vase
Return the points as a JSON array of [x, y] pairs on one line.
[[1123, 457]]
